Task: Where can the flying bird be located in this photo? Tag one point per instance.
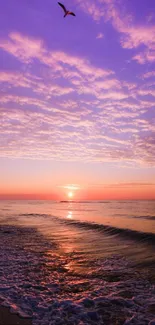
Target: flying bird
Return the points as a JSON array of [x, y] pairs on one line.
[[67, 12]]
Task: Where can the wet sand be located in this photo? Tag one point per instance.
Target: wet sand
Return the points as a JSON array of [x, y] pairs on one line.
[[6, 318]]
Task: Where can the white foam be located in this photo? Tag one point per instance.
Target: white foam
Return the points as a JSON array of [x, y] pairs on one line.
[[36, 283]]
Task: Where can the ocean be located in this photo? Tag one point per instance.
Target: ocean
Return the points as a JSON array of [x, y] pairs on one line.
[[78, 263]]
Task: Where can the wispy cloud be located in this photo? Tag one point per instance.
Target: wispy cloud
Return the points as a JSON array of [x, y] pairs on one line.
[[100, 35], [71, 187], [149, 74], [144, 57], [139, 35], [132, 35], [26, 49], [69, 109]]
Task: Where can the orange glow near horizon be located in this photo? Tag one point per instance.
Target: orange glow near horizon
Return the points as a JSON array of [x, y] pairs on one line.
[[122, 191]]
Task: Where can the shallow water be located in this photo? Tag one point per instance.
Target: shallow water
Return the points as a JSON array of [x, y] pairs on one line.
[[78, 263], [136, 215]]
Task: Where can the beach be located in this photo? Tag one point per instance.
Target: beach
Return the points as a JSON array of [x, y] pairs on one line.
[[60, 269]]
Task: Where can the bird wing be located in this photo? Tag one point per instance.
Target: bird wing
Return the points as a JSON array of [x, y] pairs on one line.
[[62, 6], [71, 13]]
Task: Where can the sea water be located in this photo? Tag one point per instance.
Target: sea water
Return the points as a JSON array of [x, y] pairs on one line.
[[78, 262]]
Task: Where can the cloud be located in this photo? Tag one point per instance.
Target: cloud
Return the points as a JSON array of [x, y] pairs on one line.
[[145, 92], [26, 49], [63, 107], [144, 57], [48, 136], [149, 74], [132, 35], [127, 185], [21, 47], [71, 187], [137, 35], [92, 8], [16, 79], [82, 76], [100, 35]]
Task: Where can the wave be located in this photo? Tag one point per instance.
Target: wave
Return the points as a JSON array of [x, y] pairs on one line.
[[146, 237], [115, 294], [144, 217], [147, 217]]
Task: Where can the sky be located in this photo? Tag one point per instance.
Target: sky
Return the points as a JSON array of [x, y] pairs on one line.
[[77, 99]]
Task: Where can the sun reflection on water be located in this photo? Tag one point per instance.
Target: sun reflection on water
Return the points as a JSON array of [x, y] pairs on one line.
[[70, 215]]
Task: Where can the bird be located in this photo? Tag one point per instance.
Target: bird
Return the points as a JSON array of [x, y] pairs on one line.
[[67, 12]]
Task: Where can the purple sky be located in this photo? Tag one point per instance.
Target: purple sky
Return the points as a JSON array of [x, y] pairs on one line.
[[77, 94]]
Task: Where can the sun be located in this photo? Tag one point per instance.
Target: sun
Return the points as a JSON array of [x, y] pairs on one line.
[[70, 194]]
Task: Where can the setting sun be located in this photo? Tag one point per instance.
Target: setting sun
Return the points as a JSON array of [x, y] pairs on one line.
[[70, 194]]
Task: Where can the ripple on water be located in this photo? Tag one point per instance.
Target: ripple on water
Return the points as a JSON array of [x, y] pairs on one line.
[[36, 282]]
